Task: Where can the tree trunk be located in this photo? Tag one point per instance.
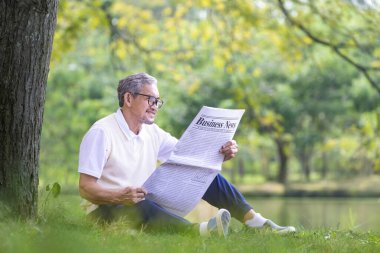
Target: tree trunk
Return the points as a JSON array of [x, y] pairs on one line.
[[283, 161], [325, 168], [241, 170], [26, 37], [305, 164]]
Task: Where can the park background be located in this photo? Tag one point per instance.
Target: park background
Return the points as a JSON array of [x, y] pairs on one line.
[[312, 118], [307, 74], [310, 115]]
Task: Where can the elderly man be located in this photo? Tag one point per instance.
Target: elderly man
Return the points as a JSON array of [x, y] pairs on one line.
[[121, 151]]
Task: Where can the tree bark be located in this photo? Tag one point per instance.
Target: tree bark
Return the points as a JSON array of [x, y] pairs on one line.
[[26, 37]]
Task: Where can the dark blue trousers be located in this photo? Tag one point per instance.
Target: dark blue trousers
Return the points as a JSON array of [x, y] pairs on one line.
[[220, 194]]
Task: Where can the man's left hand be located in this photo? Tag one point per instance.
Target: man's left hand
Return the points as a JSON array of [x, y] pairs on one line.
[[229, 149]]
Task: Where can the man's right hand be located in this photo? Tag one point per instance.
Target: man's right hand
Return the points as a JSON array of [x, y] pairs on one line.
[[131, 195], [92, 191]]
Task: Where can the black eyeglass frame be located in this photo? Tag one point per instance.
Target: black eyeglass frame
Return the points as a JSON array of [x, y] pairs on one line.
[[157, 101]]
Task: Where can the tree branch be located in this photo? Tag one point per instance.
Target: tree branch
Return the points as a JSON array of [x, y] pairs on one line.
[[336, 48]]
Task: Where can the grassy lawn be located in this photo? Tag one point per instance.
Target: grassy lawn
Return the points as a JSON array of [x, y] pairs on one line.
[[62, 227]]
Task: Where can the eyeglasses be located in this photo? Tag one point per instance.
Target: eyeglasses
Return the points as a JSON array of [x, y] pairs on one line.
[[152, 100]]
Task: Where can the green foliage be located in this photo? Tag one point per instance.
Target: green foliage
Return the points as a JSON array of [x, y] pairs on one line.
[[80, 90], [348, 28], [233, 54], [51, 191], [54, 190]]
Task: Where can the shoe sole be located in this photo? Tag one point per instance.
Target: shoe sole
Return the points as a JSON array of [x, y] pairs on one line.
[[222, 230]]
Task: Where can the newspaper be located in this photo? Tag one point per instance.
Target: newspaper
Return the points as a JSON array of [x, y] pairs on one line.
[[179, 183]]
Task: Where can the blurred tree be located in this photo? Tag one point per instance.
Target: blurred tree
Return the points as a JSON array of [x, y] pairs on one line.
[[349, 28], [321, 89], [81, 89], [26, 37], [233, 54]]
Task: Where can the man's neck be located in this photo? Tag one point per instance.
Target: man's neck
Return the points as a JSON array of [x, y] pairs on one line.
[[134, 126]]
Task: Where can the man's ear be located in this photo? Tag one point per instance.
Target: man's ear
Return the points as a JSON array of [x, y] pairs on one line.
[[127, 99]]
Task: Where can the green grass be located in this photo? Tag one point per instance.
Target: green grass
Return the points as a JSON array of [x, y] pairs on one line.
[[62, 227]]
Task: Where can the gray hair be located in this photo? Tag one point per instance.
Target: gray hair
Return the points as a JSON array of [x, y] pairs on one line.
[[133, 84]]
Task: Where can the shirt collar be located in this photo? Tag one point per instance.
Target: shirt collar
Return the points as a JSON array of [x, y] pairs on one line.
[[124, 126]]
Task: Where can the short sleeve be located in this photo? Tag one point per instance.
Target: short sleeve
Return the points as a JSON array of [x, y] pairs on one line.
[[93, 153]]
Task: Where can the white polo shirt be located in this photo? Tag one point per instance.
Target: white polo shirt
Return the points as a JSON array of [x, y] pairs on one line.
[[115, 155]]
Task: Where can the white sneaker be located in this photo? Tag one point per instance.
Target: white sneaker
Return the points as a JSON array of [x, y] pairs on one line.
[[218, 224], [279, 229], [259, 222]]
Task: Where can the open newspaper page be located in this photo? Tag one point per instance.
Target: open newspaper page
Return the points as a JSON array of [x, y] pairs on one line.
[[178, 188], [202, 140], [180, 183]]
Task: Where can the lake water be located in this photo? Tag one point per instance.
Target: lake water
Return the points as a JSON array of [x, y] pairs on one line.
[[311, 213]]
